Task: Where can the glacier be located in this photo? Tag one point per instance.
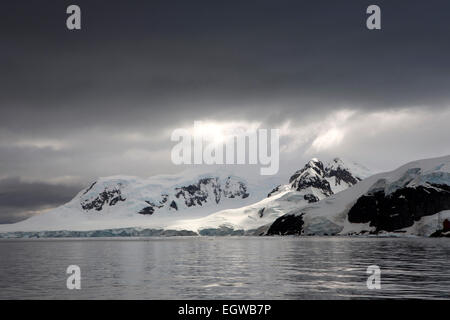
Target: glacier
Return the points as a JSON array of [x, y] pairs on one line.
[[357, 210], [217, 203]]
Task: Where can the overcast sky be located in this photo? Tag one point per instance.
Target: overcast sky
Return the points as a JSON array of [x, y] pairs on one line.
[[102, 101]]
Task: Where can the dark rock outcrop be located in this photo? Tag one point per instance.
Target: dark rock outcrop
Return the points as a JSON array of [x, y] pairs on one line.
[[311, 176], [315, 165], [173, 205], [313, 182], [90, 187], [197, 194], [289, 224], [109, 197], [310, 198], [206, 189], [261, 212], [274, 190], [341, 174], [147, 210], [401, 208], [153, 206], [194, 194]]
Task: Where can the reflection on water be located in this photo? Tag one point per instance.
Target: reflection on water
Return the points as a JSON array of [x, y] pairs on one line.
[[225, 268]]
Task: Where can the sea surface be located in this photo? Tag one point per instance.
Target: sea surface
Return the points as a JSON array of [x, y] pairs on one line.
[[225, 268]]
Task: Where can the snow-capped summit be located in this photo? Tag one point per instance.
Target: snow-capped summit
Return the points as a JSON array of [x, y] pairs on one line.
[[359, 171], [314, 182], [191, 201], [311, 176], [127, 201], [147, 197], [413, 199], [318, 181]]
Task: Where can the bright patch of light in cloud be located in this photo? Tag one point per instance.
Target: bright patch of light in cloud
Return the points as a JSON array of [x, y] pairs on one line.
[[332, 137], [220, 132]]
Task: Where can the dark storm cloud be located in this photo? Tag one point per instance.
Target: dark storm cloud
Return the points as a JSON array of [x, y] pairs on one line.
[[168, 60], [21, 199], [103, 100]]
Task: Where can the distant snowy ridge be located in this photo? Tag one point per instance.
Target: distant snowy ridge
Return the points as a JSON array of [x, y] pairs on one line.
[[314, 182], [146, 197], [203, 203], [329, 178], [128, 202], [411, 200]]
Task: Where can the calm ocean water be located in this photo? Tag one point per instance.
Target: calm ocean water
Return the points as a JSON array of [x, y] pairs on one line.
[[225, 268]]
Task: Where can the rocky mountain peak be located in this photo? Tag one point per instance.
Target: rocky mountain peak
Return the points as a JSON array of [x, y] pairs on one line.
[[148, 197], [318, 180]]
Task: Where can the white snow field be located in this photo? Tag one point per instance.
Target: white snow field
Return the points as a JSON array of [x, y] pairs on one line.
[[330, 215], [192, 201]]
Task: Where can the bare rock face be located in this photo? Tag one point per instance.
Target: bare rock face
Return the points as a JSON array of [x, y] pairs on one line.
[[207, 188], [341, 173], [289, 224], [211, 190], [413, 199], [314, 182], [315, 179], [311, 176], [401, 208], [108, 197]]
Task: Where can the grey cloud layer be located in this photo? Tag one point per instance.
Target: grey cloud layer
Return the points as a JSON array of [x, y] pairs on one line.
[[71, 102], [21, 199], [166, 61]]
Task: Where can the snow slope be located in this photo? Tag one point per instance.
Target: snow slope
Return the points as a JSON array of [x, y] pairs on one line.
[[125, 201], [191, 201], [409, 200], [314, 182]]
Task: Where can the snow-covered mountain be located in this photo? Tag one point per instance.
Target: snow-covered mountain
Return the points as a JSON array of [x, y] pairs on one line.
[[317, 180], [413, 199], [125, 201], [197, 202], [314, 182], [147, 197], [320, 199]]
